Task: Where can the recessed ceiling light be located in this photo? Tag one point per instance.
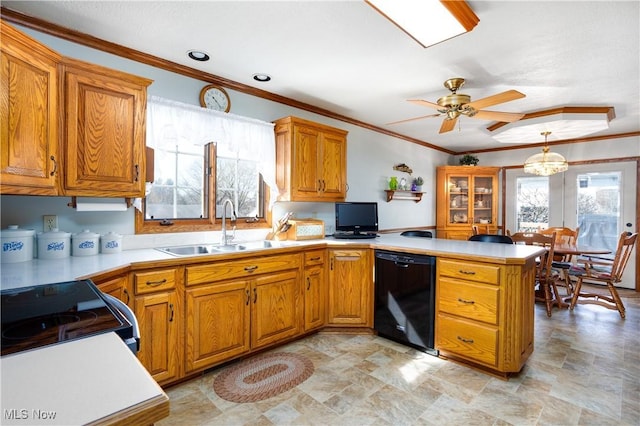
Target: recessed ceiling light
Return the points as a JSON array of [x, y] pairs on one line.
[[197, 55], [262, 77]]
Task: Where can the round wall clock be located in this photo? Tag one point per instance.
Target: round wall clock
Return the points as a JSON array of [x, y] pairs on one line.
[[215, 97]]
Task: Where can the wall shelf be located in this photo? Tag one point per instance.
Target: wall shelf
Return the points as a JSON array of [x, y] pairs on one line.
[[395, 194]]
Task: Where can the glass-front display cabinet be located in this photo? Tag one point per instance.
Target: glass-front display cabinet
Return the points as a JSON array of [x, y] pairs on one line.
[[466, 196]]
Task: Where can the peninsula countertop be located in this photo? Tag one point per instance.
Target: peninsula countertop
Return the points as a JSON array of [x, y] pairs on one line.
[[45, 271]]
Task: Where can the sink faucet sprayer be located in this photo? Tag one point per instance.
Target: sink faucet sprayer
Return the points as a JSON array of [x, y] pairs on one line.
[[223, 239]]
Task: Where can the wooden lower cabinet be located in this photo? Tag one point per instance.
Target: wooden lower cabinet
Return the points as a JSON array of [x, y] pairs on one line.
[[217, 324], [234, 307], [484, 313], [350, 287], [275, 308], [158, 308], [117, 287], [315, 290]]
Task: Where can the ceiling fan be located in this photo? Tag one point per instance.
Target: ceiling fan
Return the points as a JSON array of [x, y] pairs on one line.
[[457, 104]]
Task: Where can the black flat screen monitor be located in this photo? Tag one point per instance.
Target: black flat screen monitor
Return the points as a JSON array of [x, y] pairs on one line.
[[357, 217]]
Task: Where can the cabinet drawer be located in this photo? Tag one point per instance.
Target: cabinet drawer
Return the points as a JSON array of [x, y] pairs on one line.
[[483, 273], [475, 341], [474, 301], [314, 257], [157, 280], [241, 268]]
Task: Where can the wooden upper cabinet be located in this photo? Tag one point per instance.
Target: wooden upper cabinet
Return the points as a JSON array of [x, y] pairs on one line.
[[29, 115], [311, 162], [105, 114]]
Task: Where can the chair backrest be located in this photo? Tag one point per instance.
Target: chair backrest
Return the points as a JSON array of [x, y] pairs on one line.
[[623, 253], [417, 233], [563, 235], [536, 239], [491, 238], [479, 229]]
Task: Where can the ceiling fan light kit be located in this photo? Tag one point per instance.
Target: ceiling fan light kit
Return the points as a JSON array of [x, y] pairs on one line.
[[546, 163], [456, 104]]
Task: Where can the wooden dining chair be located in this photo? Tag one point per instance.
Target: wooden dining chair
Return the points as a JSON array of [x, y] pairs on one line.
[[545, 276], [602, 272], [480, 229], [562, 262]]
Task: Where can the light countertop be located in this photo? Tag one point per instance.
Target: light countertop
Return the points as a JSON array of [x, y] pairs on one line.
[[45, 271], [93, 379]]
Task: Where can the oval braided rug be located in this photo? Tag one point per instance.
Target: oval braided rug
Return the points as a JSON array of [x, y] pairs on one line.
[[262, 377]]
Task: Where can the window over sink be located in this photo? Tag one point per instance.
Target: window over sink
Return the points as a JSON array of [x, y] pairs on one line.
[[193, 178]]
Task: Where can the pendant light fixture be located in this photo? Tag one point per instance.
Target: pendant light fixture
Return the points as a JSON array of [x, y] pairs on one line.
[[547, 163]]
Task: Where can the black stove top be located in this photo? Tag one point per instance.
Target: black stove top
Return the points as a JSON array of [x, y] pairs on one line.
[[47, 314]]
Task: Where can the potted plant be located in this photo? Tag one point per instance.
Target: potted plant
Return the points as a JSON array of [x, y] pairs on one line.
[[416, 185], [469, 160]]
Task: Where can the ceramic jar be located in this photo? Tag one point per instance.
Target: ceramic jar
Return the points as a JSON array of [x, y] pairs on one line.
[[54, 244], [85, 243], [111, 243], [17, 244]]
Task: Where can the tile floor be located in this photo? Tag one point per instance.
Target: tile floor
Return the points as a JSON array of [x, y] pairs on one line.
[[585, 370]]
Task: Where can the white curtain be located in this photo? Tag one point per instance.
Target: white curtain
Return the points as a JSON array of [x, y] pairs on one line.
[[170, 123]]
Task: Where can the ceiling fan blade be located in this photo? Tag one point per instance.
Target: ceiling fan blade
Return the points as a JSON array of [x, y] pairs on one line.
[[505, 117], [413, 119], [509, 95], [424, 103], [448, 125]]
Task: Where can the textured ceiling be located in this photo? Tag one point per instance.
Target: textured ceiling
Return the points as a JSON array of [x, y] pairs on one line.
[[344, 57]]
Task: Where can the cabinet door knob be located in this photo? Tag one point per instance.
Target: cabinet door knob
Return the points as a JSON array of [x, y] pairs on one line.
[[137, 170], [255, 295], [308, 283], [171, 312]]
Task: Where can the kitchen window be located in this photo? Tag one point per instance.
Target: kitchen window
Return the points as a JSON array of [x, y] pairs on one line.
[[192, 178]]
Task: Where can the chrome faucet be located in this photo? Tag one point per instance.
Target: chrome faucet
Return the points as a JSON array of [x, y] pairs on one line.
[[223, 239]]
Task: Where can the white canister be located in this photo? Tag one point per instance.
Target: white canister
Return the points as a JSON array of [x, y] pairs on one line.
[[17, 244], [54, 244], [85, 243], [111, 243]]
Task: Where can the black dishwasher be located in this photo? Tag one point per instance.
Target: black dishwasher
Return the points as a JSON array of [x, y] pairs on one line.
[[405, 298]]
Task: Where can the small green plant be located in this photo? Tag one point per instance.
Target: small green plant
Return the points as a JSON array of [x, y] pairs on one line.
[[418, 181], [469, 160]]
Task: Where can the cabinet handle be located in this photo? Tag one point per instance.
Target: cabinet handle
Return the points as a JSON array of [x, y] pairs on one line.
[[468, 302], [308, 283], [324, 185], [255, 295], [248, 297], [156, 283], [250, 268], [55, 166], [467, 272], [171, 309], [315, 258], [126, 293], [319, 185], [137, 170], [462, 339]]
